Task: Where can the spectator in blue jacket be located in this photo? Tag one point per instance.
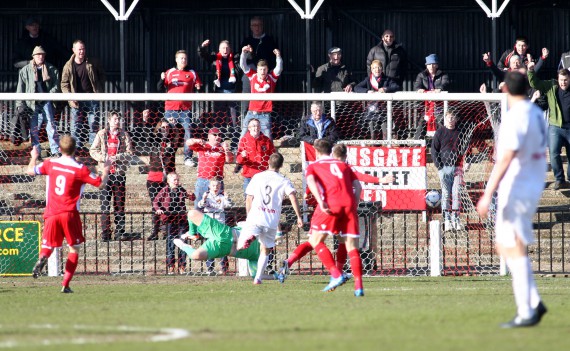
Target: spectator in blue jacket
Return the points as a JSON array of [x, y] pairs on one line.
[[432, 79], [318, 126]]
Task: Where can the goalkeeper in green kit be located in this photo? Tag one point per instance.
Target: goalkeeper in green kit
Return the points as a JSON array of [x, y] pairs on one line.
[[221, 241]]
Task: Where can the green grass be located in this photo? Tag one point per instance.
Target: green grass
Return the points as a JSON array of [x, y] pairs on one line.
[[459, 313]]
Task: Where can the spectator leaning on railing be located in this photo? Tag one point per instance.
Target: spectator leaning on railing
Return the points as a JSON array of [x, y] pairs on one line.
[[38, 76]]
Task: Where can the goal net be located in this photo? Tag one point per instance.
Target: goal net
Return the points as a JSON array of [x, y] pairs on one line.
[[130, 226]]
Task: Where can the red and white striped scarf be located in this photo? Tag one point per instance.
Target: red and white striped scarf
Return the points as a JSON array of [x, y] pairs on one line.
[[374, 82], [230, 64]]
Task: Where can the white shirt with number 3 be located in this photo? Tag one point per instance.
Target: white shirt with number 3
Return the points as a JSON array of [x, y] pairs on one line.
[[268, 190]]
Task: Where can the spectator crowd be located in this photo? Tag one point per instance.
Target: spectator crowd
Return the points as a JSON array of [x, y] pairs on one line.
[[246, 138]]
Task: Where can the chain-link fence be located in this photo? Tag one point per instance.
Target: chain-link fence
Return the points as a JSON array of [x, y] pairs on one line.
[[201, 155]]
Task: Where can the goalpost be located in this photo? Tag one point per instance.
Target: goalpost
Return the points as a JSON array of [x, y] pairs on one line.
[[385, 134]]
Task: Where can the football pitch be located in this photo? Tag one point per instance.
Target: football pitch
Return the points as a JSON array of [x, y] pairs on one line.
[[229, 313]]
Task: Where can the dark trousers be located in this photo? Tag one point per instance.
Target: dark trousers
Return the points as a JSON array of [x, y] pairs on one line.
[[153, 189], [175, 226], [114, 190]]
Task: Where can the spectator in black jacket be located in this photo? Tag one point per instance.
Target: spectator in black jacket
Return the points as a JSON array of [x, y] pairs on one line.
[[430, 80], [262, 45], [515, 64], [33, 36], [392, 55], [333, 76], [447, 157], [564, 61], [377, 82], [318, 126], [521, 49]]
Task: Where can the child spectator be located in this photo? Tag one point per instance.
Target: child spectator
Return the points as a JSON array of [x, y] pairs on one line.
[[213, 203], [447, 157]]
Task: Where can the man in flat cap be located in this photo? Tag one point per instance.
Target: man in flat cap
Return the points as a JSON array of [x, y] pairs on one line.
[[334, 75], [38, 76]]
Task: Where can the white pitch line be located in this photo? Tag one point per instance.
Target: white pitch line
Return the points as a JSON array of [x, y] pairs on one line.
[[159, 335]]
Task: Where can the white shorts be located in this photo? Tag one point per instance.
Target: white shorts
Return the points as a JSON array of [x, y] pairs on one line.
[[515, 215], [265, 235]]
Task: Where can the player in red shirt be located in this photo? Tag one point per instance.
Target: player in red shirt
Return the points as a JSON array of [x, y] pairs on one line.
[[65, 181], [339, 152], [332, 182]]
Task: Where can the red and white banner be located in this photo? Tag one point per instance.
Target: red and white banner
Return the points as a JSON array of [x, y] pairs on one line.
[[406, 164]]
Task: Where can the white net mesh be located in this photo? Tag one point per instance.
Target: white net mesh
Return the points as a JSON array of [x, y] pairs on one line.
[[130, 226]]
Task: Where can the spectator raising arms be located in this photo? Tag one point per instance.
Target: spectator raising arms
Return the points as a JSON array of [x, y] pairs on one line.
[[262, 82], [225, 66]]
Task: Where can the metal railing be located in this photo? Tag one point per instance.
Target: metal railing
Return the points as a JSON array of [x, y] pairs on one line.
[[391, 244]]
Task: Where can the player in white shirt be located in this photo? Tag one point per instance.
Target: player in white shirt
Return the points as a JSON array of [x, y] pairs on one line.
[[519, 176], [263, 204]]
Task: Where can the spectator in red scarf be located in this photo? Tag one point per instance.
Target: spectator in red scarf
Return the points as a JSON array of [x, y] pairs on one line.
[[114, 144], [377, 82], [225, 66], [432, 79]]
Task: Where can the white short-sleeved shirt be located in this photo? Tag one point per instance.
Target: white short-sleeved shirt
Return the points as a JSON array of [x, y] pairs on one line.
[[523, 130], [268, 189]]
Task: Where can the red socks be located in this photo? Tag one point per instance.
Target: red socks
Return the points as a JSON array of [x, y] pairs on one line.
[[70, 266], [340, 256], [356, 266], [327, 259], [300, 252]]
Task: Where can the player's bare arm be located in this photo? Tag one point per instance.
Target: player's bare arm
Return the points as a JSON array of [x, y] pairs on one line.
[[248, 201], [295, 204], [387, 179], [34, 157]]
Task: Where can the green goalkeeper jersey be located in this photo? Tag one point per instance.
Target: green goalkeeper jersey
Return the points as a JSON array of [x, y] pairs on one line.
[[220, 240]]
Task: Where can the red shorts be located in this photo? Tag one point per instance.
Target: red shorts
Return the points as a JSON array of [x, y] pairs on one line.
[[342, 220], [65, 224]]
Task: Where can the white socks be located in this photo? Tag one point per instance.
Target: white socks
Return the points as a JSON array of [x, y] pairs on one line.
[[534, 295], [524, 287], [261, 265]]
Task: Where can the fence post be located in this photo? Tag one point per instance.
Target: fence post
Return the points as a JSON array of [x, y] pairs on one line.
[[53, 263], [435, 248], [502, 266]]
